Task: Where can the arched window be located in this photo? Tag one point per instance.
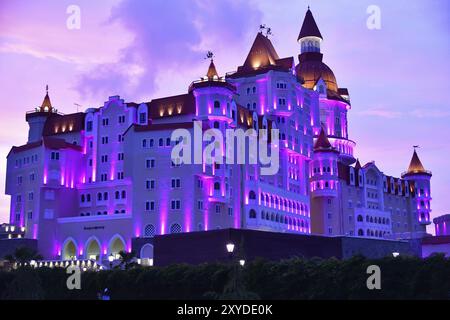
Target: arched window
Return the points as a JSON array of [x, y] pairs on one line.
[[359, 218], [216, 125], [105, 196], [216, 104], [99, 196], [149, 231], [263, 216], [161, 142], [252, 214], [117, 194], [175, 228], [360, 232], [217, 186], [124, 194], [252, 195], [272, 217]]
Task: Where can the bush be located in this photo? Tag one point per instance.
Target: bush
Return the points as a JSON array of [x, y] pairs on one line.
[[401, 278]]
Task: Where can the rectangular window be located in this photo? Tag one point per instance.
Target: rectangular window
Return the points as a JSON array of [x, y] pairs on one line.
[[150, 163], [142, 118], [89, 126], [31, 196], [105, 122], [150, 205], [175, 204], [150, 184], [217, 208], [200, 205], [30, 215], [54, 155]]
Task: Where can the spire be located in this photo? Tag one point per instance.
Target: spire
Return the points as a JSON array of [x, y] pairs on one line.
[[212, 72], [358, 164], [322, 143], [415, 166], [46, 105], [309, 27]]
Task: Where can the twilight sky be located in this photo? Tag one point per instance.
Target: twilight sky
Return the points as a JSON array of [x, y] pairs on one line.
[[397, 76]]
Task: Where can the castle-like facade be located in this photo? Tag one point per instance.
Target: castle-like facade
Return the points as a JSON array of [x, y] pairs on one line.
[[90, 184]]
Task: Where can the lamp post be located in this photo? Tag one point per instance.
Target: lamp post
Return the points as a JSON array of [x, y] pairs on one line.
[[110, 259], [230, 249]]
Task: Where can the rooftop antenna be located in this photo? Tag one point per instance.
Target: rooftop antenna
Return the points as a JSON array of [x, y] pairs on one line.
[[77, 105]]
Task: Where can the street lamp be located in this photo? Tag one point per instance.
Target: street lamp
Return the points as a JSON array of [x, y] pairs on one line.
[[395, 254], [242, 262], [110, 259], [230, 247]]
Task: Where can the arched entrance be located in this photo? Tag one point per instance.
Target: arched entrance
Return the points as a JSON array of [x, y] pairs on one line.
[[116, 245], [93, 249], [146, 255], [69, 250]]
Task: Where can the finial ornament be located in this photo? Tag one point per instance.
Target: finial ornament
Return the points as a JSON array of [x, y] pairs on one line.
[[415, 147], [266, 30], [46, 88], [209, 55]]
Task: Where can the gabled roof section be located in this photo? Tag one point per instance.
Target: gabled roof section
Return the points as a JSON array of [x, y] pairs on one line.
[[309, 27], [48, 142], [60, 124], [171, 106]]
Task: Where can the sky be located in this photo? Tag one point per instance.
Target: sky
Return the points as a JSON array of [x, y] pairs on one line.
[[397, 75]]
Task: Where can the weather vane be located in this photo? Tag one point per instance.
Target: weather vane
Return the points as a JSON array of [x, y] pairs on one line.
[[266, 30], [209, 55]]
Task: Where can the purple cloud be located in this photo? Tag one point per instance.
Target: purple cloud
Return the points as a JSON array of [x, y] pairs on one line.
[[167, 38]]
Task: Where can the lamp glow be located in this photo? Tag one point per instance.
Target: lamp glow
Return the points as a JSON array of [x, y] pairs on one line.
[[230, 247]]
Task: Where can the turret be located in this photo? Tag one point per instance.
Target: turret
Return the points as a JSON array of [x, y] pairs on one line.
[[213, 96], [309, 37], [36, 119], [334, 102], [323, 168], [419, 179]]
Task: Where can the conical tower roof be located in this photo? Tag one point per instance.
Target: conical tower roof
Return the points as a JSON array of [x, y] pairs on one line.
[[262, 53], [46, 105], [212, 72], [309, 27], [416, 166], [322, 142]]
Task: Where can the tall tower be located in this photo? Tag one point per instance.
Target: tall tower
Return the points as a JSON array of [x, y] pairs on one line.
[[334, 102], [36, 119], [419, 180], [324, 183]]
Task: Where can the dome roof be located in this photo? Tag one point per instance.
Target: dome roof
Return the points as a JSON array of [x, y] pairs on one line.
[[311, 69]]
